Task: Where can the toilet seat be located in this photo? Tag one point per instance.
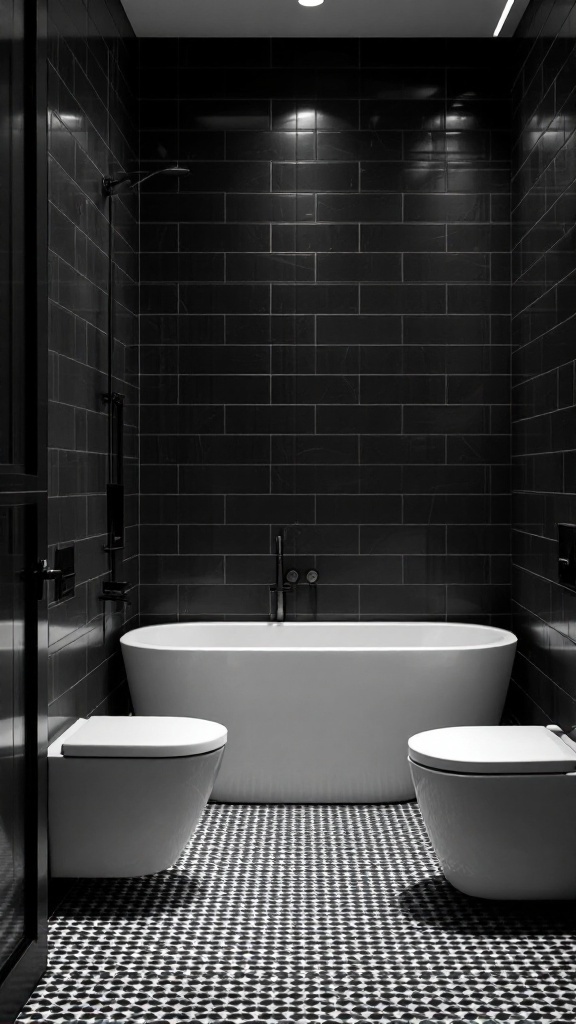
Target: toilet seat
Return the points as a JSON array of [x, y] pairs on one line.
[[141, 736], [495, 750]]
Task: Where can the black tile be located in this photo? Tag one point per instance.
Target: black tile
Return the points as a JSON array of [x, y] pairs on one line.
[[224, 176], [359, 569], [181, 568], [359, 330], [295, 479], [177, 508], [429, 298], [315, 53], [302, 359], [402, 389], [228, 359], [417, 238], [205, 449], [224, 298], [365, 145], [400, 539], [413, 176], [233, 479], [359, 267], [445, 419], [266, 208], [181, 419], [447, 330], [269, 267], [180, 206], [223, 115], [207, 601], [158, 540], [270, 145], [158, 479], [479, 298], [270, 419], [181, 267], [360, 419], [446, 208], [384, 449], [451, 508], [355, 208], [315, 389], [315, 238], [321, 540], [224, 237], [395, 601], [222, 389], [409, 114], [224, 540], [314, 298], [314, 177], [446, 267], [286, 508], [219, 53], [321, 449], [352, 508]]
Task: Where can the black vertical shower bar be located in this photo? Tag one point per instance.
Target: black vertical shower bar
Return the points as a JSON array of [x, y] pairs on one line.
[[112, 589]]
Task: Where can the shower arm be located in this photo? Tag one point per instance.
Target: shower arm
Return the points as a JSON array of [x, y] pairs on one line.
[[110, 185]]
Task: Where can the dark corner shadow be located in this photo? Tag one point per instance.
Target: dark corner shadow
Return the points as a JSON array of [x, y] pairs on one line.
[[131, 898], [434, 901]]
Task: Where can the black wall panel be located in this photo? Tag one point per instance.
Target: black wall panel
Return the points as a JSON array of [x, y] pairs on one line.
[[543, 336], [325, 326], [92, 131]]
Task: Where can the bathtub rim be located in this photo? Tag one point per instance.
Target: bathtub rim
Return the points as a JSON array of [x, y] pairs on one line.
[[505, 639]]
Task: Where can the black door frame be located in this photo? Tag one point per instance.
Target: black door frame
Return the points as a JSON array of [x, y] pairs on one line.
[[22, 971]]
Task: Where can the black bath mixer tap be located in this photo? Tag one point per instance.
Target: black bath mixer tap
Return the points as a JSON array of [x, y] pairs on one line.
[[278, 613]]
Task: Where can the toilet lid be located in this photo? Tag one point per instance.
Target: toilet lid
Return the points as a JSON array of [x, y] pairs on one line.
[[142, 736], [493, 750]]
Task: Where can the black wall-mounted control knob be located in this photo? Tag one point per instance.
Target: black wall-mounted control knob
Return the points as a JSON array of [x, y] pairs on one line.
[[312, 576], [292, 576]]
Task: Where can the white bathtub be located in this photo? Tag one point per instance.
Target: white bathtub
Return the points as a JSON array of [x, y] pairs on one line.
[[320, 712]]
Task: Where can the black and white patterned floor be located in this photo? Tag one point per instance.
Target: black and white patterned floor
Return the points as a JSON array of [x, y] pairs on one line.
[[303, 915]]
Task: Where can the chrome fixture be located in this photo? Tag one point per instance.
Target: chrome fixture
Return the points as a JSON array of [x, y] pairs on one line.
[[312, 576], [110, 185], [278, 614]]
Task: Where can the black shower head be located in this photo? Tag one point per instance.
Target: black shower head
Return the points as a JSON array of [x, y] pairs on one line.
[[111, 185]]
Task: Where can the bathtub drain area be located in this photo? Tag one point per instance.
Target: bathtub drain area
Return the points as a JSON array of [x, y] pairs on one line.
[[303, 915]]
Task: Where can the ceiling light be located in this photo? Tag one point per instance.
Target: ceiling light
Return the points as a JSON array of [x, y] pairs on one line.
[[503, 16], [310, 3]]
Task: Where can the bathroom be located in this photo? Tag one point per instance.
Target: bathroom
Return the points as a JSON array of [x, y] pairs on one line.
[[289, 301]]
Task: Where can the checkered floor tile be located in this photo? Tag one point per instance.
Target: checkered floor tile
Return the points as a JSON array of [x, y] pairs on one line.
[[304, 915]]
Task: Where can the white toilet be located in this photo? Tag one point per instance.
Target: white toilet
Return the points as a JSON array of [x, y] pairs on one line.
[[499, 806], [126, 794]]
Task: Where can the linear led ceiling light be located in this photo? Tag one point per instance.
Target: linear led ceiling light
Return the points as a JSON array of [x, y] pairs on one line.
[[503, 16], [310, 3]]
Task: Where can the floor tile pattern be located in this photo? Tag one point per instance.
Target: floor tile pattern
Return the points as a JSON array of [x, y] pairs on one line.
[[304, 915]]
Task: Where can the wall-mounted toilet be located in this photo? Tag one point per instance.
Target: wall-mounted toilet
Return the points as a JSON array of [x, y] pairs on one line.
[[499, 806], [126, 794]]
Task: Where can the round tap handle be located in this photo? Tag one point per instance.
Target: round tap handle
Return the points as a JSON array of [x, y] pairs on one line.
[[292, 576], [312, 576]]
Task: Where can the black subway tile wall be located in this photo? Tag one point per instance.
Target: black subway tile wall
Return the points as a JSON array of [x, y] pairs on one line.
[[92, 131], [543, 335], [325, 326]]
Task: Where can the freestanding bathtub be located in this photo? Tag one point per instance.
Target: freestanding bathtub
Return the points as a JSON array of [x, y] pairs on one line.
[[320, 712]]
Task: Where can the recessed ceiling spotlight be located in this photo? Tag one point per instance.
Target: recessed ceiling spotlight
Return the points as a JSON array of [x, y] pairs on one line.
[[503, 17], [310, 3]]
